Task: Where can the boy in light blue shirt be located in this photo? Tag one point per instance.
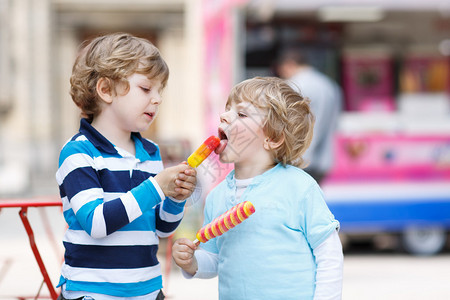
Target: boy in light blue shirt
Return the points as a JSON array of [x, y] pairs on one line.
[[289, 248]]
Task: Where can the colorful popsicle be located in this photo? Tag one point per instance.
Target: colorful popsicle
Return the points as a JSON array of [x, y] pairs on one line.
[[203, 151], [225, 222]]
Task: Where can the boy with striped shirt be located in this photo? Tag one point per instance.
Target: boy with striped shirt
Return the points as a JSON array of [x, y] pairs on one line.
[[117, 197]]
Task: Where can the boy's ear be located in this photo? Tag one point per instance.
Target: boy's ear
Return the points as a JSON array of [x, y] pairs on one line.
[[103, 88], [270, 144]]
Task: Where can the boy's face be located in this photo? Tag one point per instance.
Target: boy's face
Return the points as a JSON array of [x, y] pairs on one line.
[[135, 110], [241, 125]]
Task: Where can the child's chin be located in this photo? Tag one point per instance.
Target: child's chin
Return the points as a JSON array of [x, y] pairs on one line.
[[224, 159]]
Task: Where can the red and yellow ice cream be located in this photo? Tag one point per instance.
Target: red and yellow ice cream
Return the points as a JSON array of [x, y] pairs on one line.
[[208, 146]]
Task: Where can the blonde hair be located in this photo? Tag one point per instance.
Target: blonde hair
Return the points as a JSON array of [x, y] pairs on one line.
[[289, 116], [114, 57]]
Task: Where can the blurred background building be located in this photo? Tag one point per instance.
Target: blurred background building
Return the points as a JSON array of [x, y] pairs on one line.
[[38, 43], [392, 59]]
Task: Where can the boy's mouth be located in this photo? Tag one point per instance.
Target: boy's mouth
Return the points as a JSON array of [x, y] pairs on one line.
[[223, 141], [222, 134]]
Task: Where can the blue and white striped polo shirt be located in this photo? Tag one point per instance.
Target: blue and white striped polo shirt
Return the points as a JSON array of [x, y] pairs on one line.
[[115, 213]]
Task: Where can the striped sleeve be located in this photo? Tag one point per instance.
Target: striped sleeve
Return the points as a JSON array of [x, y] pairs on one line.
[[82, 192], [168, 216]]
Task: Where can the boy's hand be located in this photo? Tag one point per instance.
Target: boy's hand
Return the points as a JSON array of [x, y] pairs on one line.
[[183, 255], [177, 182]]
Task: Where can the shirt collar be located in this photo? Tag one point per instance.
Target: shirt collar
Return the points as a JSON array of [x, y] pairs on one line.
[[103, 144], [256, 180]]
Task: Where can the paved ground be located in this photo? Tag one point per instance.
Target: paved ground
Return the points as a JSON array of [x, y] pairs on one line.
[[366, 275]]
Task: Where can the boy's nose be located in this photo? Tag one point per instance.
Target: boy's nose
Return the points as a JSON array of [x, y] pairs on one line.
[[156, 99], [225, 117]]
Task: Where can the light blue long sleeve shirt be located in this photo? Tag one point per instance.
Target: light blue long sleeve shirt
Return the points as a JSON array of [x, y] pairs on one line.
[[270, 255]]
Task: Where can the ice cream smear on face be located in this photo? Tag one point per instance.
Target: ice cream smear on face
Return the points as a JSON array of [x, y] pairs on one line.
[[223, 141]]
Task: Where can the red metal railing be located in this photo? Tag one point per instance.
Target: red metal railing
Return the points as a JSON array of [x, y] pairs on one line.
[[24, 204]]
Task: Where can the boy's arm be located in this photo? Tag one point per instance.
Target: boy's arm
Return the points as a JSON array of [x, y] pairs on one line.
[[207, 264], [183, 254], [321, 230], [198, 264], [177, 182], [83, 195], [329, 273], [169, 214], [194, 264]]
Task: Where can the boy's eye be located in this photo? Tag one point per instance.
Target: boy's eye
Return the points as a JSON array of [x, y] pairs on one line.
[[146, 90], [241, 115]]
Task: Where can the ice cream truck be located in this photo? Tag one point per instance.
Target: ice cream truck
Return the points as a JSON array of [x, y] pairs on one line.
[[391, 177]]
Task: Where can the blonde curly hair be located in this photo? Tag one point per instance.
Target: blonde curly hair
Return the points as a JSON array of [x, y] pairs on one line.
[[114, 57], [289, 116]]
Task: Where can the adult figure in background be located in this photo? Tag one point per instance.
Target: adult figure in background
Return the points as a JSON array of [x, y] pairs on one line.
[[326, 104]]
